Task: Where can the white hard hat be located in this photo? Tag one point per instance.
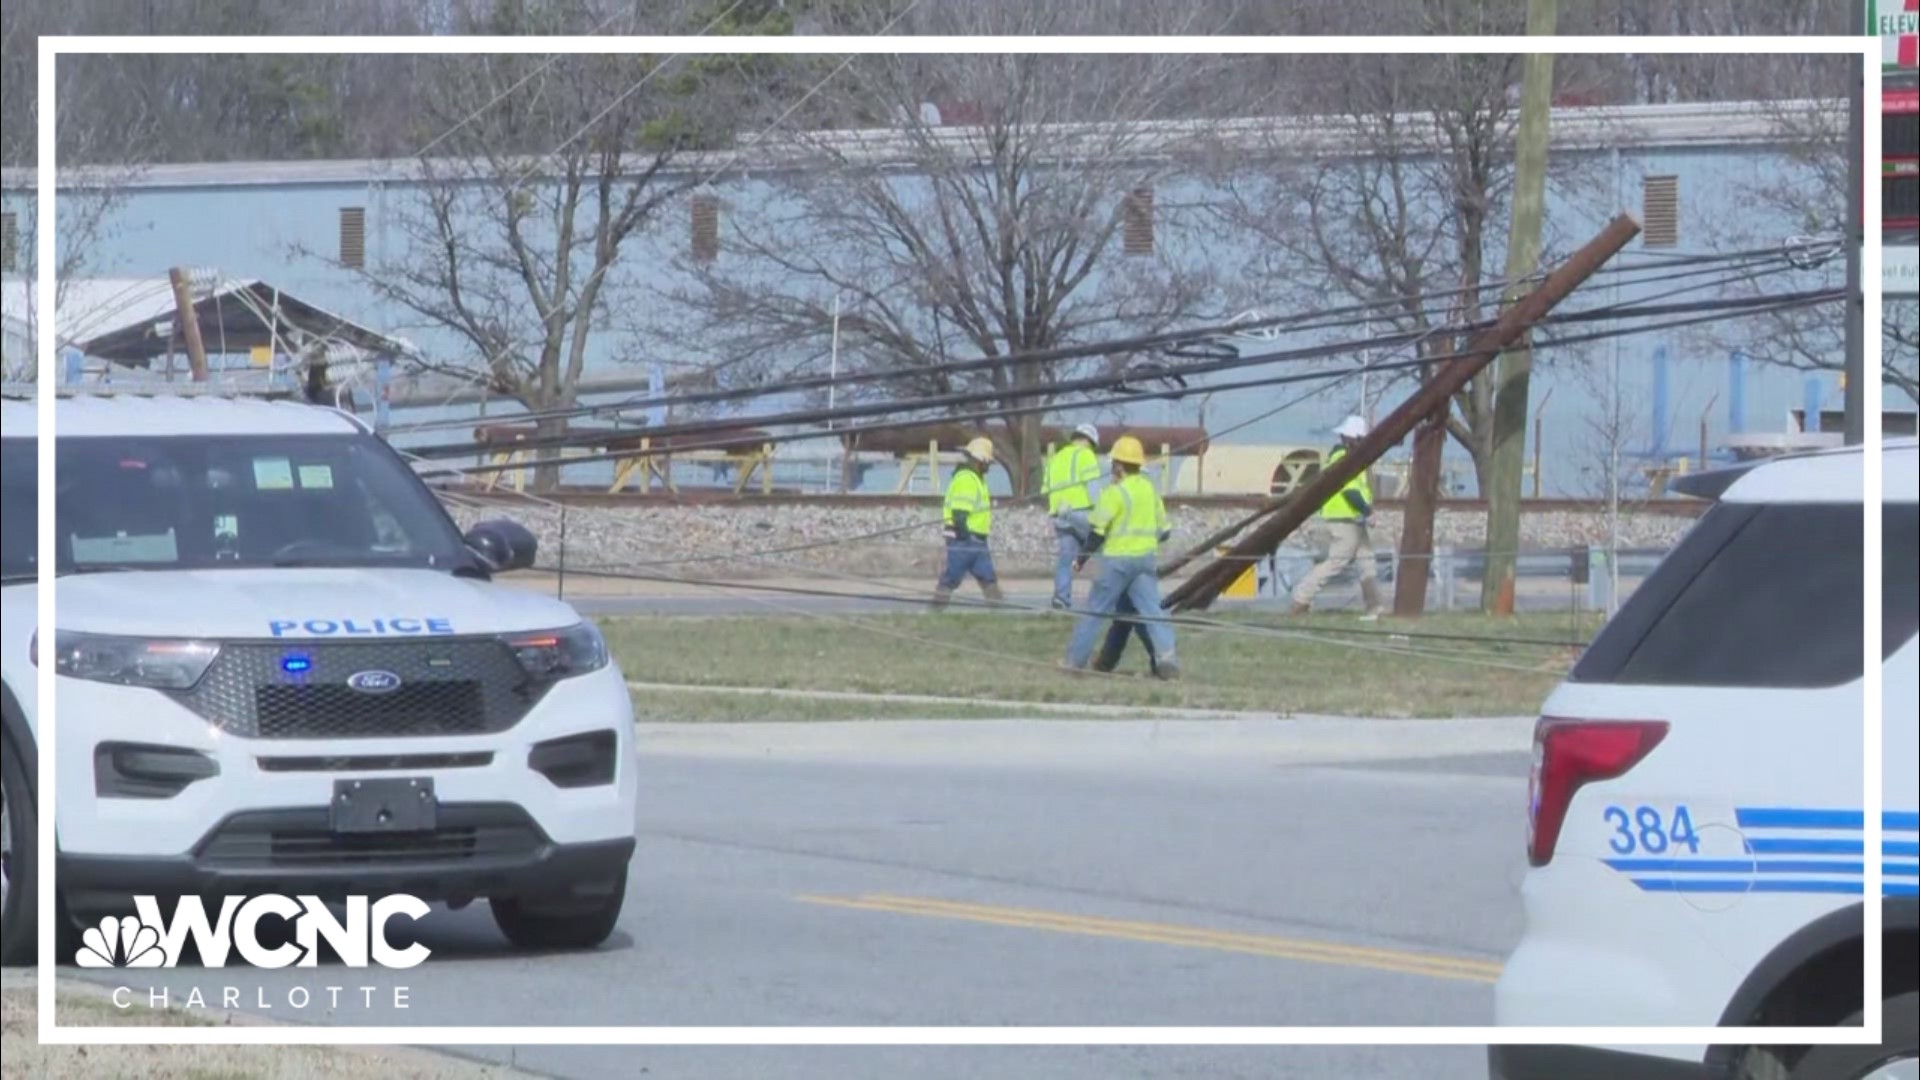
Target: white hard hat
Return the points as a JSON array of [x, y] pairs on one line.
[[980, 449], [1092, 433], [1353, 427]]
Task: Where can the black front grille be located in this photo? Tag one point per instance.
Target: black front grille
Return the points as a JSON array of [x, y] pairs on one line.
[[280, 690], [375, 762], [301, 839]]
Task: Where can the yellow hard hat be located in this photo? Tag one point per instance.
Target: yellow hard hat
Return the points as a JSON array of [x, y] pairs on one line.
[[1127, 449], [981, 450]]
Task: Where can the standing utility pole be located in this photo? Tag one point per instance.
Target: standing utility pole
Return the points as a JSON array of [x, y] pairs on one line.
[[188, 322], [1290, 513], [1855, 388], [1514, 375]]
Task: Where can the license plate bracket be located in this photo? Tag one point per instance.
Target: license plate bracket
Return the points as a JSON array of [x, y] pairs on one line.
[[395, 805]]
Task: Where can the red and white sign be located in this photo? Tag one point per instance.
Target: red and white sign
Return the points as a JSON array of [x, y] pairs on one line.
[[1897, 24]]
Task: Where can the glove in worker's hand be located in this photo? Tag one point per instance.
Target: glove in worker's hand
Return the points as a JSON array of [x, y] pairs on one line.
[[1079, 563]]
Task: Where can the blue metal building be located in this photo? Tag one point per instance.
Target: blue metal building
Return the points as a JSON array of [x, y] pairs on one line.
[[251, 220]]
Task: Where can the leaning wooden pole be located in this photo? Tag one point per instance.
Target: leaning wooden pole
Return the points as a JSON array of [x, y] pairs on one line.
[[1200, 590], [188, 321]]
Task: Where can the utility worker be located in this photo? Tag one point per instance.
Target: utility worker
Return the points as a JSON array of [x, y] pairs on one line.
[[1070, 472], [1128, 525], [968, 518], [1345, 517]]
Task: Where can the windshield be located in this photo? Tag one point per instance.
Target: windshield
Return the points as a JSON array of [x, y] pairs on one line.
[[19, 508], [198, 502]]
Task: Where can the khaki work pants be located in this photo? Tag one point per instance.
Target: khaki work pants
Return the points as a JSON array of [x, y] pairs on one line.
[[1348, 540]]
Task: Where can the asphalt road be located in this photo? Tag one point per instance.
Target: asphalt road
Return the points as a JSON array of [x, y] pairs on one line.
[[1032, 873]]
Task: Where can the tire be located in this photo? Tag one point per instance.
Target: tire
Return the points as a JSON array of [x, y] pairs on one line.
[[1899, 1038], [532, 922], [19, 924]]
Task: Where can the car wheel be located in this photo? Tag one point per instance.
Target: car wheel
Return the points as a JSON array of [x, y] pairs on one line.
[[533, 922], [1896, 1058], [19, 862]]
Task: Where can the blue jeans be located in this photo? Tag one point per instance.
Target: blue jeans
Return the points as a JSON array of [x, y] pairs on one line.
[[966, 557], [1134, 577], [1118, 632], [1072, 530]]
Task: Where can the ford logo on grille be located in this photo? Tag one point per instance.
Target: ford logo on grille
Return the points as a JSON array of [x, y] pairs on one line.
[[374, 682]]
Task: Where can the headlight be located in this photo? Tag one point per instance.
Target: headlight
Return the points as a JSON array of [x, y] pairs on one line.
[[559, 654], [162, 663]]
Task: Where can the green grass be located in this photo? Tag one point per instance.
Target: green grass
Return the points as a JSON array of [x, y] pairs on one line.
[[725, 707], [1311, 669]]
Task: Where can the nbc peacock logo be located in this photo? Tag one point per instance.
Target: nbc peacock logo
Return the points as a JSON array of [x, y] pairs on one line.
[[357, 935], [125, 942]]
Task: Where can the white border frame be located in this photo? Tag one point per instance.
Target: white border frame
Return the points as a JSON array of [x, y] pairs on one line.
[[1867, 48]]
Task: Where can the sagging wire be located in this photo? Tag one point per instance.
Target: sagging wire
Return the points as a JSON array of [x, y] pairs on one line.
[[1709, 311], [920, 600], [802, 548], [767, 554], [1198, 338]]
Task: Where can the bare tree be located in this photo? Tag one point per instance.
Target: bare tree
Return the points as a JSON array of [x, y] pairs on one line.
[[1405, 219], [1900, 345], [89, 197], [1608, 434], [1802, 203], [1006, 207], [520, 256]]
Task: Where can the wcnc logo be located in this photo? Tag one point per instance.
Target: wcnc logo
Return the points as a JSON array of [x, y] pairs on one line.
[[358, 938]]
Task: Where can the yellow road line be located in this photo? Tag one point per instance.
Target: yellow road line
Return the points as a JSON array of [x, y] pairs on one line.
[[1280, 948]]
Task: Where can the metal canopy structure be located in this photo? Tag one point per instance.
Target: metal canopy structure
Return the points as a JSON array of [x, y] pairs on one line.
[[235, 318], [131, 321]]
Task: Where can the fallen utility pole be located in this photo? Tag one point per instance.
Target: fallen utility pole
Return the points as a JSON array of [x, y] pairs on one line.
[[1200, 590], [189, 323], [1416, 518]]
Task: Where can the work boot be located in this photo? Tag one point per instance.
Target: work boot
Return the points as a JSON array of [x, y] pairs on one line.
[[1062, 605], [1299, 608], [1370, 596], [993, 593], [940, 598], [1167, 671]]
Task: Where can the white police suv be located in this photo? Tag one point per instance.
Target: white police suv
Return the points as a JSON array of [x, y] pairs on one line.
[[281, 668], [1695, 828]]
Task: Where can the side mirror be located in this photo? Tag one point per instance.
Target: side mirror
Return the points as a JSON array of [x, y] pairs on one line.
[[503, 545]]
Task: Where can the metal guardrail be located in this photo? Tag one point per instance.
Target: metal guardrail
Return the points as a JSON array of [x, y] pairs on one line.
[[1584, 570]]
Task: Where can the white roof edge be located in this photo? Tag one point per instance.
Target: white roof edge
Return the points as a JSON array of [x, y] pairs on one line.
[[1706, 124]]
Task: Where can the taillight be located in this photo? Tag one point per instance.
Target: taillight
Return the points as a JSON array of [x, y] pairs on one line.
[[1570, 753]]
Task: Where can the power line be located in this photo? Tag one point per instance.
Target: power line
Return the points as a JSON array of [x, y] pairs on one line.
[[767, 554], [522, 81], [1334, 318], [1172, 394], [489, 363], [1088, 383], [898, 530]]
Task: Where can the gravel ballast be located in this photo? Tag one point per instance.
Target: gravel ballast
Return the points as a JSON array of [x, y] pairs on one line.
[[747, 540]]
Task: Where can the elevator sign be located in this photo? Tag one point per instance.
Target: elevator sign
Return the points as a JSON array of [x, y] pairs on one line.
[[1897, 24]]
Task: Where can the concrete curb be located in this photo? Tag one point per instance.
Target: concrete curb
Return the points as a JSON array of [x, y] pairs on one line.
[[1262, 741], [1012, 707]]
